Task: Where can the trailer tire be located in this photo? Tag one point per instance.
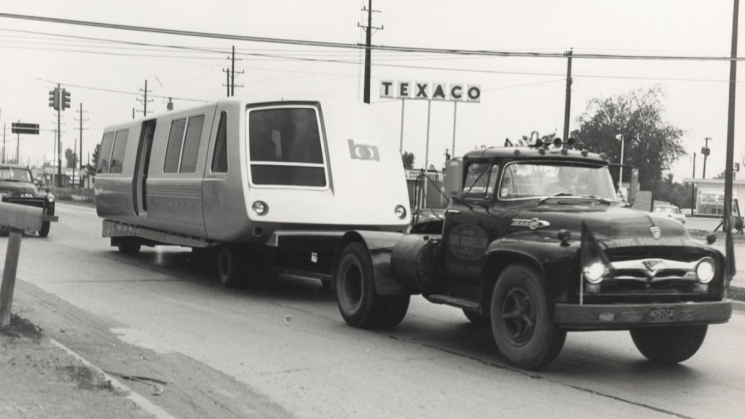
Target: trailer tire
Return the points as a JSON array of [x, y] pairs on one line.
[[229, 267], [44, 231], [668, 345], [359, 304], [522, 329], [125, 245]]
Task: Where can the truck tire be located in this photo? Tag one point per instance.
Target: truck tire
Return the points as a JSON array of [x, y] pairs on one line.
[[125, 245], [359, 304], [668, 345], [476, 318], [44, 231], [520, 321], [229, 267]]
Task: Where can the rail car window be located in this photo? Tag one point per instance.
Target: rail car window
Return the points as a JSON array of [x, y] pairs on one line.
[[285, 147], [173, 151], [191, 144], [117, 157], [220, 156], [104, 154]]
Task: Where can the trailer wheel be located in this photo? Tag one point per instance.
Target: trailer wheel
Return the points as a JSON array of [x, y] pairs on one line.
[[44, 231], [520, 323], [668, 345], [228, 267], [477, 319], [125, 245], [359, 304]]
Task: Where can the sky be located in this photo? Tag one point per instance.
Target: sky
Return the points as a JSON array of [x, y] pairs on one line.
[[106, 69]]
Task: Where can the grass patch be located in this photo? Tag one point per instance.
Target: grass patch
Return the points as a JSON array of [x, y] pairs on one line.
[[20, 327]]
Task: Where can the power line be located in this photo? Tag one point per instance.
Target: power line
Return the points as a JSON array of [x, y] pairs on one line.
[[355, 46]]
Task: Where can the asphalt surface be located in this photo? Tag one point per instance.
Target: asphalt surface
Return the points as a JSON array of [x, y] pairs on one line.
[[288, 348]]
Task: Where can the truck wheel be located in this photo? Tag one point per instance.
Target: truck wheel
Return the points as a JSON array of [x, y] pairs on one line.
[[228, 267], [44, 231], [476, 318], [394, 312], [126, 246], [668, 345], [359, 304], [520, 323]]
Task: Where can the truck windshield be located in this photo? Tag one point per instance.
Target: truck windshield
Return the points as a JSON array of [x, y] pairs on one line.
[[9, 173], [539, 180]]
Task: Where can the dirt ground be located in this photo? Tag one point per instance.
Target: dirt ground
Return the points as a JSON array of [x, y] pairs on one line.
[[40, 380]]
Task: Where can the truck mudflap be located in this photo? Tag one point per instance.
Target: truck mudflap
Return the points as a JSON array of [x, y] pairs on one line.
[[53, 218], [624, 316]]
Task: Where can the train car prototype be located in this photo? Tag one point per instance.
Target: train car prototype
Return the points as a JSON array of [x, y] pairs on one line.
[[262, 185]]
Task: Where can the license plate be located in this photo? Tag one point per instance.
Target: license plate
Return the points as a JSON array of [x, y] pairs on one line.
[[661, 315]]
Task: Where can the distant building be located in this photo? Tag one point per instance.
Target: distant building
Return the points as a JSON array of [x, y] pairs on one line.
[[709, 196]]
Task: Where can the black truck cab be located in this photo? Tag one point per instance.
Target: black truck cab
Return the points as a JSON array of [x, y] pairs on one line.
[[536, 242]]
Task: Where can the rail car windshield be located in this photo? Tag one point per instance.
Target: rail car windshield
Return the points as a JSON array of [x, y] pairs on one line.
[[285, 147]]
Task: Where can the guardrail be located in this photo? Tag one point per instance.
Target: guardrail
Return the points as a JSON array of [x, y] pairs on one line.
[[17, 219]]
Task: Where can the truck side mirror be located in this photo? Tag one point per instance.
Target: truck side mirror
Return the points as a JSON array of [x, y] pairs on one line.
[[454, 178], [634, 187]]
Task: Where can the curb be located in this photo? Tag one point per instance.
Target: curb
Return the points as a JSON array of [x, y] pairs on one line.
[[140, 401]]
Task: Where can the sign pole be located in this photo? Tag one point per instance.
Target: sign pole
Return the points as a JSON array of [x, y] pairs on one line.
[[426, 154], [455, 119], [401, 143]]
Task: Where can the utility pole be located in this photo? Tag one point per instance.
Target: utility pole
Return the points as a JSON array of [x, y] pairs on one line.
[[368, 47], [3, 142], [18, 146], [230, 73], [59, 141], [730, 269], [568, 101], [705, 151], [693, 185], [145, 100], [80, 156], [227, 81]]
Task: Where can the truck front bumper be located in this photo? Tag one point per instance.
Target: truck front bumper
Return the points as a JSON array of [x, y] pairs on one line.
[[626, 316]]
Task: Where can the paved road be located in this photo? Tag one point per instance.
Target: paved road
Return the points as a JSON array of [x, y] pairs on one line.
[[290, 345]]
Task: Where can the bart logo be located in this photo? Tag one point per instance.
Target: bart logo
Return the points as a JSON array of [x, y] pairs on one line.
[[363, 151]]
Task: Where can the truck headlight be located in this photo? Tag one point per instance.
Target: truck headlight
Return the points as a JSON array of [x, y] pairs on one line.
[[705, 270], [400, 211], [50, 198], [594, 273]]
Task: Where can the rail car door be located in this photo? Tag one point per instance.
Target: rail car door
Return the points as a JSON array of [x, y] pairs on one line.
[[142, 165]]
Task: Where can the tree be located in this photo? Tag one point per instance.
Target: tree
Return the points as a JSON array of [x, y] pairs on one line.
[[408, 160], [675, 193], [71, 159], [94, 157], [651, 144]]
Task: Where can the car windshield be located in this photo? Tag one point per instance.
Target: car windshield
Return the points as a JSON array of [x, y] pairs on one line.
[[666, 210], [12, 173], [539, 180]]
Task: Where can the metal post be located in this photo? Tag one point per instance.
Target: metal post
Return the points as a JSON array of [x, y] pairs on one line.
[[426, 155], [59, 140], [18, 146], [401, 143], [693, 185], [455, 119], [568, 100], [730, 269], [9, 276], [620, 169]]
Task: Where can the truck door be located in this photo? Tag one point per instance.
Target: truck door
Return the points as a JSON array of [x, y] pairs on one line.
[[142, 165], [470, 224]]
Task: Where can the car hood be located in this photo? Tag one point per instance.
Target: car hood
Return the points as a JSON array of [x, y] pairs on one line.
[[611, 225], [17, 188]]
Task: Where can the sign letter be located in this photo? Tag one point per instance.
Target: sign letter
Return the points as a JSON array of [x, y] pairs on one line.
[[422, 91], [386, 88], [438, 91], [403, 89], [456, 92], [474, 93]]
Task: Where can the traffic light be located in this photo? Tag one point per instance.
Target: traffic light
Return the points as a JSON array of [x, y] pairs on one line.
[[65, 99], [54, 99]]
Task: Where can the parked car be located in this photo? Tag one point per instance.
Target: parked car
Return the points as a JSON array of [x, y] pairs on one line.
[[17, 187], [670, 211]]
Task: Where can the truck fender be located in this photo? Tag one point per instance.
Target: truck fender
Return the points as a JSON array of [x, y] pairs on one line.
[[379, 246], [498, 256]]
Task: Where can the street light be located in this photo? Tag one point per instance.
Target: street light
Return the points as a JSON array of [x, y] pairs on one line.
[[619, 137]]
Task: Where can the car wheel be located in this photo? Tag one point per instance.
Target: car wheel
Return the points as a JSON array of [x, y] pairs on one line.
[[520, 322], [44, 231], [668, 345], [127, 246]]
